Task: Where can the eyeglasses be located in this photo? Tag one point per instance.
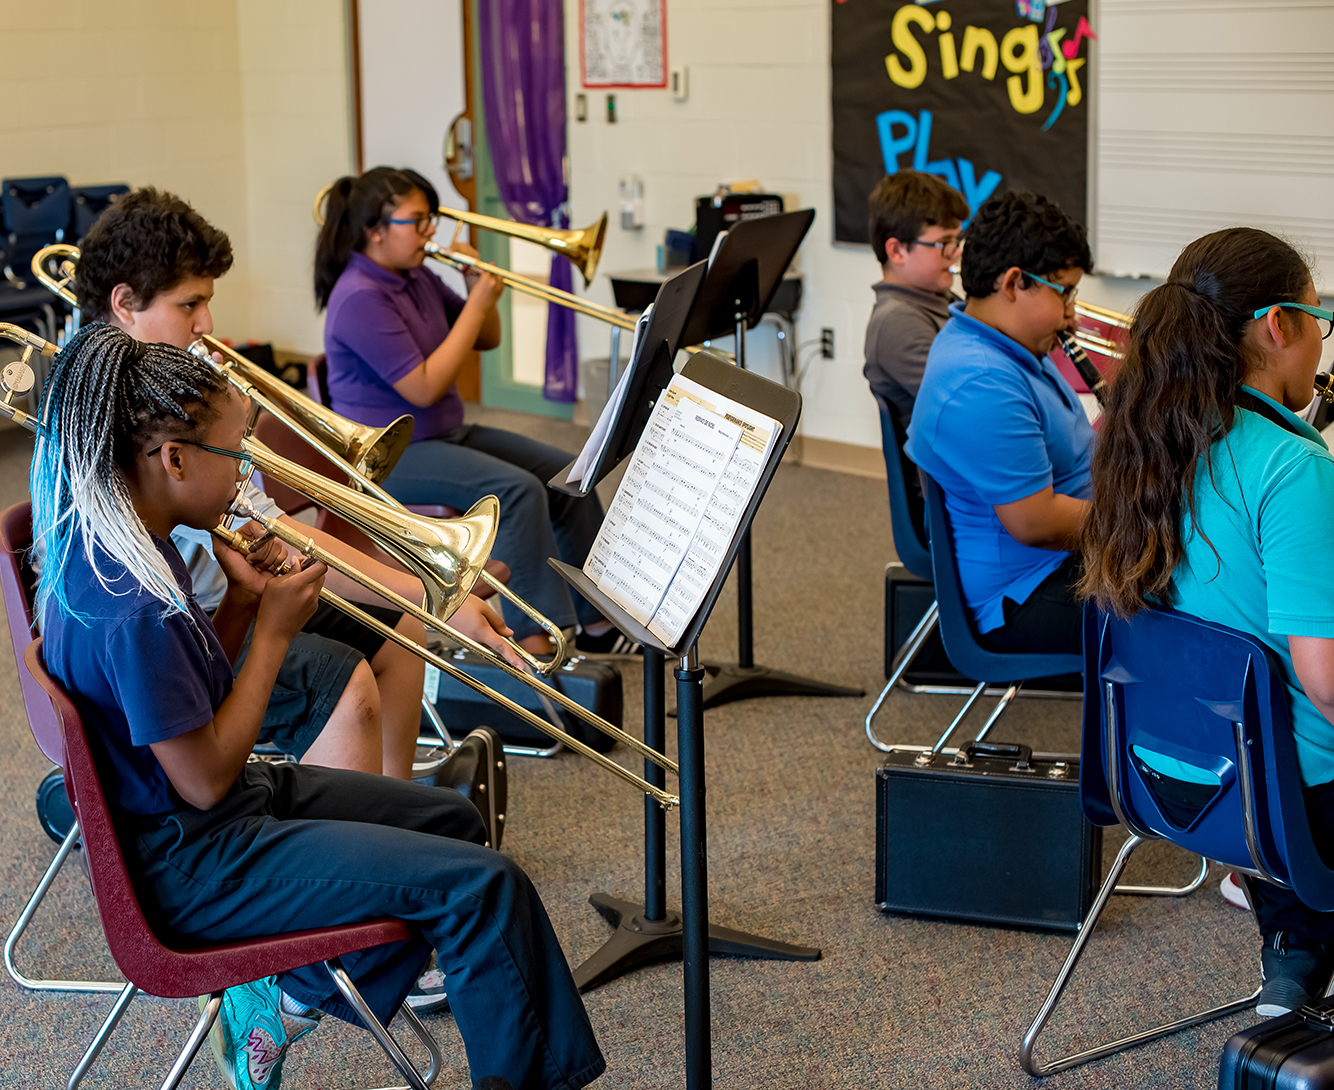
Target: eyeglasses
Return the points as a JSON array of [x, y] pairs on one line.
[[424, 224], [948, 247], [1067, 292], [1320, 314], [241, 456]]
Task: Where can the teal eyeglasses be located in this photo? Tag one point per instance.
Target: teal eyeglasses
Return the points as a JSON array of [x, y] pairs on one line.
[[1320, 314], [1067, 293]]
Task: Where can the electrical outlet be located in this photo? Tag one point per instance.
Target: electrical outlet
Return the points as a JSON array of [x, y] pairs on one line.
[[826, 343]]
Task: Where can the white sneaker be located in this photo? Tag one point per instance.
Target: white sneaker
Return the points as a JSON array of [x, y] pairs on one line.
[[1232, 892]]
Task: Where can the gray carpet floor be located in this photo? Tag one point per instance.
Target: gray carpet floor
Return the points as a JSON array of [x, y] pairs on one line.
[[894, 1002]]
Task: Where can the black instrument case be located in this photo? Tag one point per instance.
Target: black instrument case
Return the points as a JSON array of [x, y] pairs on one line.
[[1292, 1052], [593, 683], [990, 834]]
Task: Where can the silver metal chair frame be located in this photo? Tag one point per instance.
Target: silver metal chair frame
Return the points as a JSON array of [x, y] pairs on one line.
[[209, 1014], [25, 917], [1137, 837]]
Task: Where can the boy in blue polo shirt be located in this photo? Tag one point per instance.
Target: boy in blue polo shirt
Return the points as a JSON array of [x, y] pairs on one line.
[[1003, 433]]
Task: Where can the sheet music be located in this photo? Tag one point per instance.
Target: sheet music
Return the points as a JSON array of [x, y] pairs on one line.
[[591, 453], [667, 532]]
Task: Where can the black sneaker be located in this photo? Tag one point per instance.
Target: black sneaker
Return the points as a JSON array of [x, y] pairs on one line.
[[1290, 978], [611, 642], [428, 994]]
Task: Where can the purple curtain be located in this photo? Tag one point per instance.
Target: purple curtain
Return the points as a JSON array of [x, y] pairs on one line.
[[523, 91]]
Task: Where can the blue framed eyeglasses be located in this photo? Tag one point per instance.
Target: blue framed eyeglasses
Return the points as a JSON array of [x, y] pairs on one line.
[[424, 223], [1319, 313], [1066, 292]]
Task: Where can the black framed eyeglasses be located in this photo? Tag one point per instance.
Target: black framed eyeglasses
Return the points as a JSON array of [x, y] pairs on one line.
[[1324, 318], [1067, 292], [424, 224], [948, 247], [240, 455]]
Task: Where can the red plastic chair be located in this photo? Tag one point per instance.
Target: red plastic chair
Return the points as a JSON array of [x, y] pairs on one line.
[[18, 583], [170, 972]]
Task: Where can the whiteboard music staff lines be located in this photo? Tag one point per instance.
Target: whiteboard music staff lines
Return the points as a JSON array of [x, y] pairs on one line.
[[679, 506]]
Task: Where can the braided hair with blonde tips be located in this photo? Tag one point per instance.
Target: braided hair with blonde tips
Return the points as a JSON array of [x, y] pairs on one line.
[[106, 397]]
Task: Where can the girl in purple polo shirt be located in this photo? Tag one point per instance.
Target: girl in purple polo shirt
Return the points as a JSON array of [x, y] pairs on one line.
[[396, 338]]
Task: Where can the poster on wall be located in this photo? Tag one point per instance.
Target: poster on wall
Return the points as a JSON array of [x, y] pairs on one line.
[[623, 43], [989, 94]]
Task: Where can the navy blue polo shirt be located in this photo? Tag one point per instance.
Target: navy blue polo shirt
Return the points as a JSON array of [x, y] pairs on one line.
[[993, 424], [135, 675]]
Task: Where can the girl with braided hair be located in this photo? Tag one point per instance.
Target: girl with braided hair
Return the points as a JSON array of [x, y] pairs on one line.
[[1212, 496], [137, 439]]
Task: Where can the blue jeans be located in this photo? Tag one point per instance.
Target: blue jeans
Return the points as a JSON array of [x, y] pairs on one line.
[[536, 522], [297, 846]]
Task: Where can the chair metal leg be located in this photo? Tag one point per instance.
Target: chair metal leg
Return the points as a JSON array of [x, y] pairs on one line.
[[437, 724], [1170, 891], [25, 917], [902, 661], [377, 1029], [1063, 978], [1006, 700], [127, 993], [207, 1017], [926, 753]]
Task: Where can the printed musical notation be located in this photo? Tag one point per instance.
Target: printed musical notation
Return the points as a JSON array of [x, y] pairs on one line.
[[666, 534]]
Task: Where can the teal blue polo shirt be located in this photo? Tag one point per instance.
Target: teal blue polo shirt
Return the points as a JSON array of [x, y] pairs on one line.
[[1269, 512]]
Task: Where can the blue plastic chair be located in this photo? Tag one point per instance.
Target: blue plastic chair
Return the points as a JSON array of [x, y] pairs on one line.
[[908, 527], [970, 658], [89, 202], [1166, 684]]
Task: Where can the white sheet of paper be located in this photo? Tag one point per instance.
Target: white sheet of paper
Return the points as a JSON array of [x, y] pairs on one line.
[[589, 456]]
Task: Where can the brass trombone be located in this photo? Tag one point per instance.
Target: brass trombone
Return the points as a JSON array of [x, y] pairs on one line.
[[583, 248], [365, 454], [446, 554]]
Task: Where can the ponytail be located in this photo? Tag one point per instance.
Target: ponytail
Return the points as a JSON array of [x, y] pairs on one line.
[[353, 208], [106, 395], [1175, 396]]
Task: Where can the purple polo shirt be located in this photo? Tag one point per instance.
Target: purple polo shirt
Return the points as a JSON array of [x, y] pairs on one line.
[[379, 327]]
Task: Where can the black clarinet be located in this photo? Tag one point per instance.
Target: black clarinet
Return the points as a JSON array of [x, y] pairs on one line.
[[1087, 371]]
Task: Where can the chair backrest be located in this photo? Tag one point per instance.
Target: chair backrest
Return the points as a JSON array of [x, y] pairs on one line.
[[907, 512], [19, 587], [36, 213], [1187, 737], [144, 959], [90, 201], [317, 379], [956, 622]]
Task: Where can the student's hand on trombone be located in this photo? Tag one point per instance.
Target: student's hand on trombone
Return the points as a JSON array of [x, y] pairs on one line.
[[477, 620], [248, 573]]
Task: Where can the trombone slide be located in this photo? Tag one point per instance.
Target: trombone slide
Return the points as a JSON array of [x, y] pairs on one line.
[[241, 544]]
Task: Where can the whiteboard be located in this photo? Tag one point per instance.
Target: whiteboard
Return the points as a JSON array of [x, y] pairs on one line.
[[1211, 114]]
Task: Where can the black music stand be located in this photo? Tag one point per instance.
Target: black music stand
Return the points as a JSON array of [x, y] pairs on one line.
[[746, 271], [655, 932]]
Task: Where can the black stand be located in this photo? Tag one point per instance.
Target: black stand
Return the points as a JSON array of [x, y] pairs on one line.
[[654, 933], [743, 679], [650, 932]]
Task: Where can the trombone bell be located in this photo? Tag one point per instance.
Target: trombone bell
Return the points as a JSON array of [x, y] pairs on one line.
[[582, 248], [447, 555]]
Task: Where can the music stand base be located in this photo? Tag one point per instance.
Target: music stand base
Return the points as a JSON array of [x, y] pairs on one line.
[[637, 940], [726, 681]]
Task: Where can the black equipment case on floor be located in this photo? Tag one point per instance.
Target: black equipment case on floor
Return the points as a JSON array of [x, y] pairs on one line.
[[594, 683], [991, 835], [1293, 1052], [477, 771]]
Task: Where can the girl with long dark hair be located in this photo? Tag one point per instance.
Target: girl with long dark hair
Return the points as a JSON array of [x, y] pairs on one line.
[[138, 439], [395, 339], [1212, 496]]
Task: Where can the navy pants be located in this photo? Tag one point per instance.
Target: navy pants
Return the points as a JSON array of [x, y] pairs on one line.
[[296, 846], [1278, 909], [536, 522]]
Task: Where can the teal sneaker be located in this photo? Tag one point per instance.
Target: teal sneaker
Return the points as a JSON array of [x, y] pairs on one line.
[[255, 1034]]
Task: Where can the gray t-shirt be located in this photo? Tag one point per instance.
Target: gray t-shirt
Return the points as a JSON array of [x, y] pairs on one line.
[[903, 324], [196, 548]]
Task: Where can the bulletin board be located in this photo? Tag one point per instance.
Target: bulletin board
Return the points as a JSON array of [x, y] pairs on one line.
[[991, 95], [623, 43]]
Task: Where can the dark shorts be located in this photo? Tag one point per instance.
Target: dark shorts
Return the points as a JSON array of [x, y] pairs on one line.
[[316, 670]]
